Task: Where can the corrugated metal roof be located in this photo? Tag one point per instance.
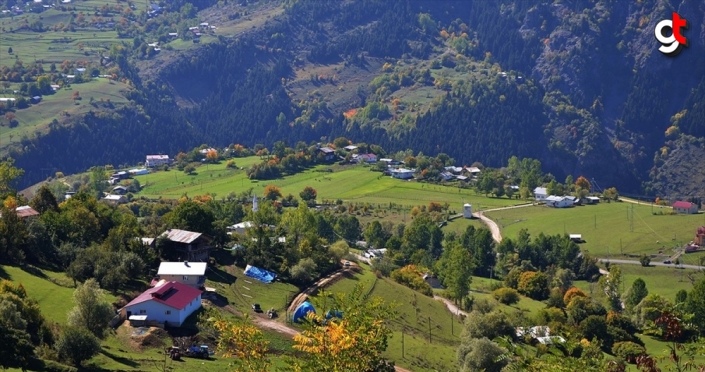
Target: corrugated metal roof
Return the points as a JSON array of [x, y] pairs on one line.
[[26, 211], [172, 294], [181, 236]]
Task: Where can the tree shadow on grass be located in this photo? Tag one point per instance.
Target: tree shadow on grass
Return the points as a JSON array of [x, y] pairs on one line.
[[219, 276], [122, 360], [34, 271], [4, 274]]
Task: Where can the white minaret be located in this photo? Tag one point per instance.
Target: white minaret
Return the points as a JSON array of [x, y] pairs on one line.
[[255, 207], [467, 210]]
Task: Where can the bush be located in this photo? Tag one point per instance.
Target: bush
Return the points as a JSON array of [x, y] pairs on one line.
[[628, 351], [645, 260], [409, 276], [77, 344], [507, 296], [572, 292], [534, 284], [491, 325], [481, 355]]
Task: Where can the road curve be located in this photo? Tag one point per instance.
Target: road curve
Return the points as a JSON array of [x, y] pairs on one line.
[[450, 305], [496, 234]]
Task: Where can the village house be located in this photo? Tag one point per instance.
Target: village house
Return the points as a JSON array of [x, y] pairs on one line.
[[115, 199], [190, 273], [119, 190], [168, 303], [364, 158], [327, 153], [188, 245], [350, 147], [685, 207], [156, 160], [240, 228], [473, 171], [402, 173], [591, 200], [26, 211], [540, 194], [558, 201]]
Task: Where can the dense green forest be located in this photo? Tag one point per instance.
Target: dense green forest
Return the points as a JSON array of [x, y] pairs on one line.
[[573, 84]]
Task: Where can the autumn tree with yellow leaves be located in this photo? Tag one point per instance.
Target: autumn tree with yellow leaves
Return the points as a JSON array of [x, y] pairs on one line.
[[353, 342], [243, 342]]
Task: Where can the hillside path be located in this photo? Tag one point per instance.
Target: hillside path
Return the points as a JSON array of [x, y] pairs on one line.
[[496, 234], [271, 324], [450, 305], [323, 282]]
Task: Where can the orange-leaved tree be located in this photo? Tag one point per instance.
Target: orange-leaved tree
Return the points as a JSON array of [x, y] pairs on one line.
[[354, 340], [272, 192], [243, 342]]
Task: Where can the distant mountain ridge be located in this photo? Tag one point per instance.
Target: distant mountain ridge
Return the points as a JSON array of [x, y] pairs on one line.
[[579, 85]]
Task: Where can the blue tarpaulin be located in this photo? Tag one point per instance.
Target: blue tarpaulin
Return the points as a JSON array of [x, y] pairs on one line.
[[302, 310], [260, 274], [334, 314]]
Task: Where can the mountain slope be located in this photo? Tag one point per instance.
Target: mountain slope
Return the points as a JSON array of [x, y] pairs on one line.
[[579, 85]]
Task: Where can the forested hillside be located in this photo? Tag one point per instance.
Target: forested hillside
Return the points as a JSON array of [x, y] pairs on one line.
[[579, 85]]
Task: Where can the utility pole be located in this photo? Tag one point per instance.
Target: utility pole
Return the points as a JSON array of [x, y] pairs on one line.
[[402, 342], [429, 329]]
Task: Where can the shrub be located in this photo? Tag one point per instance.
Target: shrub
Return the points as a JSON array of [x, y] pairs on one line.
[[491, 325], [628, 351], [572, 292], [534, 284], [507, 296], [409, 276]]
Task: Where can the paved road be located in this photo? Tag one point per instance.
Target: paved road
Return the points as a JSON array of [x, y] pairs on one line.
[[635, 262]]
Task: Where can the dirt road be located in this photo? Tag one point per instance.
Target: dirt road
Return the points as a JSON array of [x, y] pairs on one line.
[[496, 234], [450, 305]]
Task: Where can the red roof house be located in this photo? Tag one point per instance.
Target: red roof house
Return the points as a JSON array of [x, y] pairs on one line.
[[167, 303], [685, 207]]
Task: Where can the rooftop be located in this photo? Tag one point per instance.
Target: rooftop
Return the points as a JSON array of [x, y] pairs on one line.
[[172, 294], [181, 236], [26, 211], [182, 268]]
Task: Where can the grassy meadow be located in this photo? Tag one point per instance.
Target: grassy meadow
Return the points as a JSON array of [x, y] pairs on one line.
[[353, 183], [609, 229]]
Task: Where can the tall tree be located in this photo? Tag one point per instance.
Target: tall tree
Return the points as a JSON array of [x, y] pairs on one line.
[[44, 200], [8, 175], [77, 344], [91, 311], [454, 269], [635, 294], [352, 343]]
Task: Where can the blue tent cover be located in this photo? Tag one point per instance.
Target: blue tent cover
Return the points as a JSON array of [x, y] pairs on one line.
[[334, 314], [302, 310], [260, 274]]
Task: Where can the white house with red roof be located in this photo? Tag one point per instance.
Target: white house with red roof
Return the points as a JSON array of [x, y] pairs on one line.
[[685, 207], [167, 303]]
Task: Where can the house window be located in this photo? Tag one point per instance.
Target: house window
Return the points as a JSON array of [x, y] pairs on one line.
[[142, 311], [185, 277], [168, 312]]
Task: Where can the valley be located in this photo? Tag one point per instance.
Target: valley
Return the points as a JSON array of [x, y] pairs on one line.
[[480, 185]]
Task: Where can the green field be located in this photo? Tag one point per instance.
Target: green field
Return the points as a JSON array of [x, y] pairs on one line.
[[664, 281], [353, 183], [61, 106], [609, 229], [54, 300]]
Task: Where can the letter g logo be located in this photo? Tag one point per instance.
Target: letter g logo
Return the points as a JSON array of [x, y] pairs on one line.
[[673, 44]]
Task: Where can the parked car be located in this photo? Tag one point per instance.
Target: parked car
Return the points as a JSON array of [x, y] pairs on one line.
[[256, 308]]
